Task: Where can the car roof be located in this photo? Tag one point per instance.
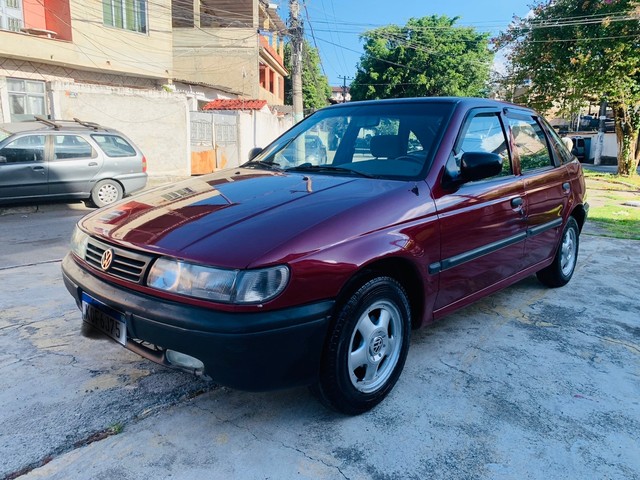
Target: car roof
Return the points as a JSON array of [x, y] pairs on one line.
[[468, 102], [53, 125]]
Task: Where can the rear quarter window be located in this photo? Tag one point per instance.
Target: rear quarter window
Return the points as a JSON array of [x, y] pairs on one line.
[[114, 145]]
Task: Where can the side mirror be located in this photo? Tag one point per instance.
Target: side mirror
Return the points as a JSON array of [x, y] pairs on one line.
[[479, 165], [254, 152]]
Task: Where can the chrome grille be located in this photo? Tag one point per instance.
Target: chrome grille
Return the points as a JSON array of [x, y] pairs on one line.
[[126, 265]]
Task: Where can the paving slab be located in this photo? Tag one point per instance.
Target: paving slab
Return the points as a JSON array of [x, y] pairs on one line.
[[531, 383]]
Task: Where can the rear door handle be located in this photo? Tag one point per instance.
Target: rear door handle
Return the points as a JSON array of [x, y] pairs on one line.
[[93, 164], [516, 202], [39, 169], [566, 187]]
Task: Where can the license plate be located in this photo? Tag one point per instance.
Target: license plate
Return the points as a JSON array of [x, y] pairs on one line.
[[104, 318]]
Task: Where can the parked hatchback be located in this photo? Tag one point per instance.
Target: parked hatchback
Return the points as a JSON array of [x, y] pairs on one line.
[[62, 159], [282, 272]]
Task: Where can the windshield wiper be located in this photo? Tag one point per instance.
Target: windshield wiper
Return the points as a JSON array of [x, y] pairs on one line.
[[261, 164], [328, 168]]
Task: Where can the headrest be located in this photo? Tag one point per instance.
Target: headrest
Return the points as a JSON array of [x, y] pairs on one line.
[[387, 146]]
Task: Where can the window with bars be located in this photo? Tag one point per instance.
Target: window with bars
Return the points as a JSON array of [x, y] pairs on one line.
[[126, 14], [26, 98], [11, 15]]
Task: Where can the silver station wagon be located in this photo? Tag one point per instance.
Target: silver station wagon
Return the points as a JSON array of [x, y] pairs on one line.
[[68, 159]]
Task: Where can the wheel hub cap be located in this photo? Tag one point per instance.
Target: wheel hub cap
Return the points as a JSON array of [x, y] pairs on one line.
[[378, 347]]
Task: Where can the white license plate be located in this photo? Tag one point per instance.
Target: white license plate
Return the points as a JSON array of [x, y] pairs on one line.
[[104, 318]]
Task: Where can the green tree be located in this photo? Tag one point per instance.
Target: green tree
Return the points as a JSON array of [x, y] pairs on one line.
[[573, 51], [429, 56], [315, 86]]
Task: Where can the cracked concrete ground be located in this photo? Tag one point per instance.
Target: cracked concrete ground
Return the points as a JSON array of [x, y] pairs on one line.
[[528, 383]]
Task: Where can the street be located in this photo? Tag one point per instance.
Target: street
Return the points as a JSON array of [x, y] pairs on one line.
[[528, 383]]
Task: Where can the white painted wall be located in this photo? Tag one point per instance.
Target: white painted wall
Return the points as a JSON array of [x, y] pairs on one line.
[[258, 129], [157, 121]]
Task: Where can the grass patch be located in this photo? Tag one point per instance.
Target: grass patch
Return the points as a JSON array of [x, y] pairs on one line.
[[619, 220], [615, 181], [606, 195]]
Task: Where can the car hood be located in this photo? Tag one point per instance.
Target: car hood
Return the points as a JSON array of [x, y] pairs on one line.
[[235, 218]]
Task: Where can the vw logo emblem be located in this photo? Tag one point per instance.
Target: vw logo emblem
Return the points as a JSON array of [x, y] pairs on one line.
[[107, 258], [378, 343]]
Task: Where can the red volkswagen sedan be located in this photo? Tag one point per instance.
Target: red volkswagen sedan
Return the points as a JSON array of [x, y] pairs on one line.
[[299, 270]]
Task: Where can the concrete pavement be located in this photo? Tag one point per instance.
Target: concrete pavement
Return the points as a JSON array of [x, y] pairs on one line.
[[529, 383]]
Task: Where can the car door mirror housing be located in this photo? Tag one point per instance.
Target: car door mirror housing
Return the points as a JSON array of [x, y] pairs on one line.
[[479, 165], [254, 152]]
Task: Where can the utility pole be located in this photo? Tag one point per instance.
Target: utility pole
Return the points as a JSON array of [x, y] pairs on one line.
[[344, 87], [601, 128], [296, 32]]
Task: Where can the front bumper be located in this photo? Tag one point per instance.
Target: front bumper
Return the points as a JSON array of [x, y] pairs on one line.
[[247, 351]]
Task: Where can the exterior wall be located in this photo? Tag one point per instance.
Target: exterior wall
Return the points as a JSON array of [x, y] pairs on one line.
[[258, 129], [157, 122], [226, 57], [98, 47]]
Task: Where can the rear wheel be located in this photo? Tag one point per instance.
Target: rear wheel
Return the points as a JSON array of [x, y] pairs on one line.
[[106, 192], [367, 347], [561, 270]]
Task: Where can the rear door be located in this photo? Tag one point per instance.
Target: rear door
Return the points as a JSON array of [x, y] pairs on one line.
[[73, 164], [546, 183], [23, 169], [483, 225]]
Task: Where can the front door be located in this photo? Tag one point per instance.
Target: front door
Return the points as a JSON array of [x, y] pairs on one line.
[[23, 169]]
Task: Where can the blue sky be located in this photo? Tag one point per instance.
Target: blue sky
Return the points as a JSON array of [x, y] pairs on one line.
[[337, 24]]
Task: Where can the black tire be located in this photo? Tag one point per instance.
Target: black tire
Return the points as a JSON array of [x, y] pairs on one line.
[[561, 270], [366, 347], [106, 192]]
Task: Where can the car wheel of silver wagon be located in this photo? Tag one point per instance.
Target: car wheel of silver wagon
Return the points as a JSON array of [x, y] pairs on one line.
[[366, 348], [106, 192], [561, 270]]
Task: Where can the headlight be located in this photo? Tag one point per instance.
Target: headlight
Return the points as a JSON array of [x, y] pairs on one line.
[[216, 284], [79, 241]]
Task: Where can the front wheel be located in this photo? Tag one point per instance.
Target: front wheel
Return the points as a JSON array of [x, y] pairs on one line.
[[366, 348], [561, 270]]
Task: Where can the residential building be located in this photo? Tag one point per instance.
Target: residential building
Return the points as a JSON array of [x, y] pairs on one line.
[[234, 44], [129, 65], [340, 95]]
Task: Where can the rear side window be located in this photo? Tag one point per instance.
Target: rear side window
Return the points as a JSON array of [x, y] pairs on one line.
[[114, 145], [23, 150], [71, 146], [531, 144]]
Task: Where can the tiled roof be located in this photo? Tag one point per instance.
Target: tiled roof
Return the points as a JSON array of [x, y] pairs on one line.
[[235, 104]]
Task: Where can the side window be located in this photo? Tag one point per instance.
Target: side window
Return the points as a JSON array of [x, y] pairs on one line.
[[23, 150], [531, 144], [483, 133], [561, 145], [71, 146], [114, 146]]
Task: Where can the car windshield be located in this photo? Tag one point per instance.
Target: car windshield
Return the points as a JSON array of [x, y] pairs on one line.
[[393, 140]]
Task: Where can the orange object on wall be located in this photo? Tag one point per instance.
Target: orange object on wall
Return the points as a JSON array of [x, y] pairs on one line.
[[203, 162], [52, 17]]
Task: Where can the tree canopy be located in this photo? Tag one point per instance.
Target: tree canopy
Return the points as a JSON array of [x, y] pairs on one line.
[[429, 56], [576, 51], [315, 86]]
